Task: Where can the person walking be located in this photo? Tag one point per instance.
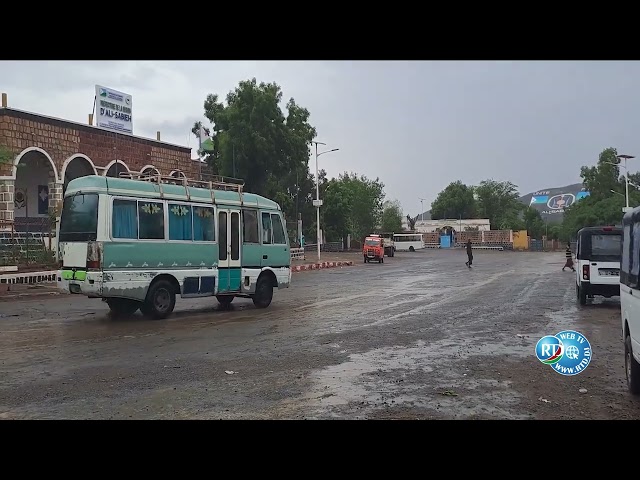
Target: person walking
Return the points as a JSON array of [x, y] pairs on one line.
[[469, 261], [569, 256]]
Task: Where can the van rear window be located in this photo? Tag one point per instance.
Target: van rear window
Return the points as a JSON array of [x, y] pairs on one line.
[[79, 218], [606, 246]]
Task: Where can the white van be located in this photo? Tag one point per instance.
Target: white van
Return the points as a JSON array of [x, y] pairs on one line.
[[598, 254], [630, 298]]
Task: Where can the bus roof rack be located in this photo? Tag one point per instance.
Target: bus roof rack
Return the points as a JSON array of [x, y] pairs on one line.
[[215, 182]]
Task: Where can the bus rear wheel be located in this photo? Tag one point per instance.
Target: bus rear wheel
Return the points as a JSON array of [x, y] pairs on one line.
[[411, 249], [264, 293], [160, 301], [123, 307]]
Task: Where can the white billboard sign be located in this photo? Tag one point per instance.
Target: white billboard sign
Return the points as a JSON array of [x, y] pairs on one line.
[[113, 110]]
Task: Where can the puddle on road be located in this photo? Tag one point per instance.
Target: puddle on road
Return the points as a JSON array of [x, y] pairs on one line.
[[435, 376], [416, 376]]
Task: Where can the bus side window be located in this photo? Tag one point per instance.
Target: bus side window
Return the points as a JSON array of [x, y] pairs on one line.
[[279, 236], [266, 229], [151, 220], [634, 261], [124, 219], [625, 264], [250, 226], [203, 224], [180, 222]]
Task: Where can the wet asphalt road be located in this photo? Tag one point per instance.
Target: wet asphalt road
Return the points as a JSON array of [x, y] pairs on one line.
[[419, 336]]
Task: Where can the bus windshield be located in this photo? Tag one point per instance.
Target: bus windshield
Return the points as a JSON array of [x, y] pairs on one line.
[[79, 219]]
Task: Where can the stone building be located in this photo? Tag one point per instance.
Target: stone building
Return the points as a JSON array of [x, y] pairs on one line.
[[49, 152]]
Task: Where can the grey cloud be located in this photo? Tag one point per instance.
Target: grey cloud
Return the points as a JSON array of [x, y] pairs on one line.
[[416, 125]]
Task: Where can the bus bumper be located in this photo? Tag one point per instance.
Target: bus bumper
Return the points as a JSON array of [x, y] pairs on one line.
[[80, 283]]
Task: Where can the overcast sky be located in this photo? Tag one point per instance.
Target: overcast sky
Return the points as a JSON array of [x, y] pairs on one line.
[[416, 125]]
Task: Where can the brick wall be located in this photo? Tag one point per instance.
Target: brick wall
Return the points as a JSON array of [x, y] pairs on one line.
[[62, 139], [488, 237], [431, 237]]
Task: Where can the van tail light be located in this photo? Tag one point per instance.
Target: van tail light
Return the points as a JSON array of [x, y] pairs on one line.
[[94, 256], [585, 272], [93, 265]]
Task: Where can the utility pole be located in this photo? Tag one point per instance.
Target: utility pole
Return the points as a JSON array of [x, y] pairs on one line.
[[317, 202]]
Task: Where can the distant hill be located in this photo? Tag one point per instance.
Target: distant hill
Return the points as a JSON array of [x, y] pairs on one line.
[[550, 202]]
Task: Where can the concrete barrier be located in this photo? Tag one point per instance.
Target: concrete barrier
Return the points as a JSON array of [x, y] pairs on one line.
[[319, 266], [29, 277]]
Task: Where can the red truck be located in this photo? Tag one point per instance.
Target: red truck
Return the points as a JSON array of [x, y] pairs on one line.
[[373, 249]]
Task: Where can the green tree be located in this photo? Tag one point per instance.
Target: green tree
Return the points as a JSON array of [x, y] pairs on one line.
[[602, 206], [254, 139], [352, 205], [498, 201], [555, 232], [604, 176], [533, 223], [455, 201], [391, 216]]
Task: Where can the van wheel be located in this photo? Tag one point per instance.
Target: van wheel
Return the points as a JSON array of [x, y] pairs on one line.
[[632, 368], [123, 307], [582, 297], [160, 301], [225, 300], [264, 293]]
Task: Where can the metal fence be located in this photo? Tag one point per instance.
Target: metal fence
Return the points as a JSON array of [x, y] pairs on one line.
[[26, 249]]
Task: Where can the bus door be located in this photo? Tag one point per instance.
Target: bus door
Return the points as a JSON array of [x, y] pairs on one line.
[[228, 250]]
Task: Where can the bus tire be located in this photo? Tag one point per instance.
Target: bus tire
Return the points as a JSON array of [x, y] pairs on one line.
[[411, 249], [123, 307], [160, 301], [632, 368], [225, 300], [264, 292]]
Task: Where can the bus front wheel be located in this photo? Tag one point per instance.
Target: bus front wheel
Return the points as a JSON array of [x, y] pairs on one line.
[[160, 301], [264, 292], [122, 307]]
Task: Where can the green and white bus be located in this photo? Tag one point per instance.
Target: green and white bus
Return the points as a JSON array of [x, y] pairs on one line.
[[139, 244]]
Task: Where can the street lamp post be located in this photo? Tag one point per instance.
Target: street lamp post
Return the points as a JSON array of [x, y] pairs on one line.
[[624, 158], [422, 209], [317, 202], [626, 178], [617, 193]]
